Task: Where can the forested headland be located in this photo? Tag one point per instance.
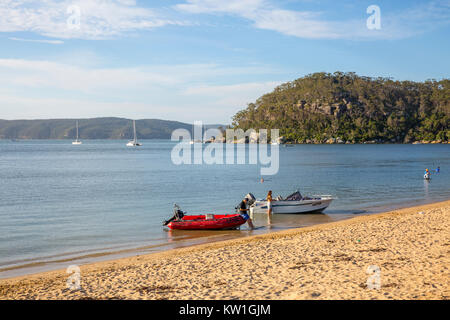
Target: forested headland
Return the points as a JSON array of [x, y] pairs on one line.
[[347, 108]]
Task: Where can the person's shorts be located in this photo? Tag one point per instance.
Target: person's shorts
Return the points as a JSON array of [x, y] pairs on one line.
[[245, 216], [269, 205]]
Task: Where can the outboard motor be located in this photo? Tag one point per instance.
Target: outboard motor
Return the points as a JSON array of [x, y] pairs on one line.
[[177, 215], [250, 199]]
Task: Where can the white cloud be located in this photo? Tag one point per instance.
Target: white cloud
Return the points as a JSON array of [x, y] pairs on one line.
[[240, 7], [99, 19], [46, 74], [264, 15], [294, 23], [55, 75], [52, 108], [226, 100], [38, 89], [239, 93], [103, 19], [305, 24], [37, 40]]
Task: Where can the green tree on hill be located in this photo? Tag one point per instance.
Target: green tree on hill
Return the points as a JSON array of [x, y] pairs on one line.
[[355, 108]]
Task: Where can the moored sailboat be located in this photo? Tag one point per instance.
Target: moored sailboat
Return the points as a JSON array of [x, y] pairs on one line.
[[77, 141], [134, 142]]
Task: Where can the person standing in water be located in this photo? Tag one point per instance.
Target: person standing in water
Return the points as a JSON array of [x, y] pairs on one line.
[[438, 169], [243, 210], [269, 209], [269, 202]]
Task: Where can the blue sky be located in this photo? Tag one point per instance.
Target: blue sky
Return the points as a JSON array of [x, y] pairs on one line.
[[202, 60]]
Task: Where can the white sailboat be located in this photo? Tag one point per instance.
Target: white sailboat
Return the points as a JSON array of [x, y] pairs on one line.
[[77, 142], [134, 142]]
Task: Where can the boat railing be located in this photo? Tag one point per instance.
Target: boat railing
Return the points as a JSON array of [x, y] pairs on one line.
[[326, 196]]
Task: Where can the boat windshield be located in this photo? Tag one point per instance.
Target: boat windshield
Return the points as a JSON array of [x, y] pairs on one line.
[[296, 196]]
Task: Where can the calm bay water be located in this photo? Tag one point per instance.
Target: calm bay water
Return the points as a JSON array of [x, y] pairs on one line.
[[62, 204]]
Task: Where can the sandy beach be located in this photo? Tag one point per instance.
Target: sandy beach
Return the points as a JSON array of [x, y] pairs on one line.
[[405, 254]]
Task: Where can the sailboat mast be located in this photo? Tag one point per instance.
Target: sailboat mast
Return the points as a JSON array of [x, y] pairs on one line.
[[77, 130], [134, 129]]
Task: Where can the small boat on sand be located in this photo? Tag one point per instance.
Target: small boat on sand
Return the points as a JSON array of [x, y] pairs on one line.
[[180, 221], [294, 203]]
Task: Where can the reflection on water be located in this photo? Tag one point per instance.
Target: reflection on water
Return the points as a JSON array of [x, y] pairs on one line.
[[269, 222], [426, 184], [59, 203]]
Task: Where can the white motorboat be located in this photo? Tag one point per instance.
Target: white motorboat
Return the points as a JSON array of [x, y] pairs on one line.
[[134, 142], [295, 203], [77, 142]]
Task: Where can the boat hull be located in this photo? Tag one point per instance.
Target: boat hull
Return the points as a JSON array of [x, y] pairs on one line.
[[133, 144], [208, 222], [292, 207]]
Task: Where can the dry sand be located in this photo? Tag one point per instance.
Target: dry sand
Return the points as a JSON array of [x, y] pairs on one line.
[[411, 248]]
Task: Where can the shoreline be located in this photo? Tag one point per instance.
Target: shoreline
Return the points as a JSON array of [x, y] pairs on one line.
[[208, 255], [40, 265]]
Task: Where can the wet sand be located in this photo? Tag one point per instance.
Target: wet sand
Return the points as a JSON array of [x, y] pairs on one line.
[[409, 249]]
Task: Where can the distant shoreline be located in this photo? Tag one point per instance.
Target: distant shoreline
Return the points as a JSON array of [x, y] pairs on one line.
[[92, 128], [286, 143]]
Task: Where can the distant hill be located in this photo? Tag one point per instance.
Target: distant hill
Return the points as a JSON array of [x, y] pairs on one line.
[[96, 128], [345, 107]]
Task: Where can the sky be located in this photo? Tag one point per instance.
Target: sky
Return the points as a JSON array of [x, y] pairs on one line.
[[202, 60]]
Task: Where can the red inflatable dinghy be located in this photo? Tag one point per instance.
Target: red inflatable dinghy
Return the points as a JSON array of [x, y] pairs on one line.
[[208, 222]]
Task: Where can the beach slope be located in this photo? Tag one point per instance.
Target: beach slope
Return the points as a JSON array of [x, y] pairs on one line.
[[405, 254]]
